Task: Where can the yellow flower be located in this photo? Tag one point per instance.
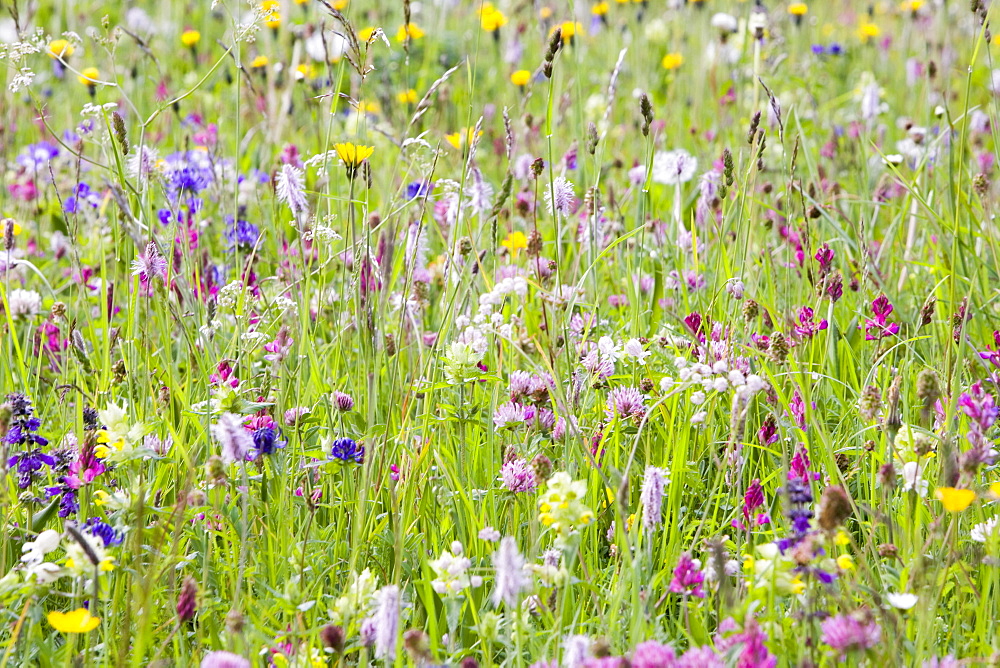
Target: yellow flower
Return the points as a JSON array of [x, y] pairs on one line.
[[89, 76], [798, 9], [797, 585], [352, 154], [545, 13], [845, 562], [600, 9], [514, 242], [306, 70], [867, 31], [492, 19], [258, 62], [101, 497], [365, 34], [338, 5], [994, 488], [410, 30], [190, 37], [911, 5], [272, 14], [672, 61], [461, 139], [16, 229], [954, 500], [60, 48], [77, 621], [520, 78], [569, 29], [842, 538], [407, 96]]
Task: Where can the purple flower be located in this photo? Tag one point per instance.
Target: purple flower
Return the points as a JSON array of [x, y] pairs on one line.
[[266, 440], [518, 476], [847, 633], [386, 622], [241, 234], [696, 657], [877, 328], [806, 327], [653, 483], [149, 264], [625, 402], [688, 577], [510, 578], [510, 415], [235, 440], [343, 401], [224, 660], [651, 654], [347, 450], [560, 196], [825, 258], [100, 529]]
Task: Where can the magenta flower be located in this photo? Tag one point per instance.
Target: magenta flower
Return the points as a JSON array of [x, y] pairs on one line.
[[806, 327], [825, 258], [878, 327], [847, 633], [518, 476], [688, 577]]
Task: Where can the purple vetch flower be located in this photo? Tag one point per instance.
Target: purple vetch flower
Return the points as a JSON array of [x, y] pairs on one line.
[[851, 632], [688, 577], [510, 577], [653, 483], [824, 256], [236, 441], [753, 499], [878, 328], [386, 622], [560, 196], [518, 476], [806, 328], [266, 440], [625, 402]]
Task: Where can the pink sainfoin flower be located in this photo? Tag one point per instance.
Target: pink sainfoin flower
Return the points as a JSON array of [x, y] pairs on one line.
[[688, 577], [878, 327], [847, 633], [753, 499], [981, 408], [806, 327]]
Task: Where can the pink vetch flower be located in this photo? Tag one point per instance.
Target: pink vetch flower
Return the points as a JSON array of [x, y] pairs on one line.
[[825, 258], [990, 355], [224, 376], [847, 633], [878, 328], [807, 328], [688, 577], [752, 499], [518, 476]]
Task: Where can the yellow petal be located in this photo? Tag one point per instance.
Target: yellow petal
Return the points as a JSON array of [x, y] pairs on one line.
[[954, 500], [77, 621]]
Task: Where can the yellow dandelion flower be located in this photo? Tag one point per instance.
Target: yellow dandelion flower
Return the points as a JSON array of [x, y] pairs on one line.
[[953, 499], [407, 96], [520, 78], [514, 242], [672, 61], [89, 76], [60, 48], [868, 31], [461, 139], [411, 31], [306, 71], [798, 9], [272, 14], [258, 62], [569, 30], [365, 34], [600, 9], [77, 621], [353, 155], [492, 19], [190, 38]]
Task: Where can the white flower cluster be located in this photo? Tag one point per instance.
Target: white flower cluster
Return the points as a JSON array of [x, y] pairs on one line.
[[715, 378]]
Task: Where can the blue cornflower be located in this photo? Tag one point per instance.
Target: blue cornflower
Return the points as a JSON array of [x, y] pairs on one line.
[[419, 189], [818, 49], [266, 440], [836, 49], [241, 234], [36, 156], [347, 450], [101, 529]]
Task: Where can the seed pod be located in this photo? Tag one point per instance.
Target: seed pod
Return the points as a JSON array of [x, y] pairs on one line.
[[119, 125], [834, 508]]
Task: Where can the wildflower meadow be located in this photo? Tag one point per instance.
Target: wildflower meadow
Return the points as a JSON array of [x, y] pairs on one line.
[[524, 333]]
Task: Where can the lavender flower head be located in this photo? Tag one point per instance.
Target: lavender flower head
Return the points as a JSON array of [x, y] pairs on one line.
[[290, 189], [510, 577], [560, 196], [386, 622], [653, 484], [235, 441]]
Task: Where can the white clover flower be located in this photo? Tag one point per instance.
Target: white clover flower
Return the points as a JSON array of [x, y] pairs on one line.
[[633, 348], [983, 531]]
